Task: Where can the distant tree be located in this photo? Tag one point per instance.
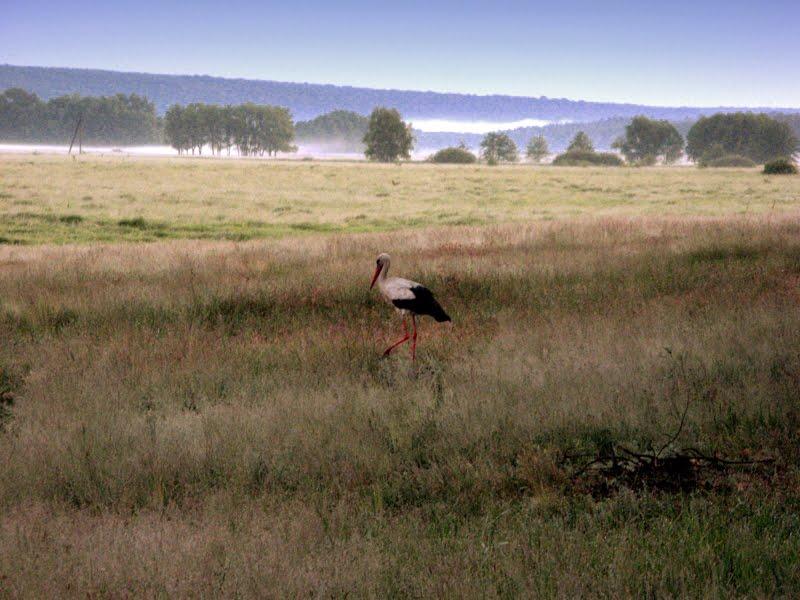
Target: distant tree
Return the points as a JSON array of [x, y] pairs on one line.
[[759, 137], [388, 137], [498, 147], [581, 143], [278, 130], [213, 122], [230, 127], [175, 129], [195, 126], [646, 141], [537, 148]]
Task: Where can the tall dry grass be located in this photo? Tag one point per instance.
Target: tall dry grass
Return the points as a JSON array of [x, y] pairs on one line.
[[208, 418]]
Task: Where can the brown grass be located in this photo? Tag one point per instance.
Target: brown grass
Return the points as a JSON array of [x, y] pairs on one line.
[[213, 418]]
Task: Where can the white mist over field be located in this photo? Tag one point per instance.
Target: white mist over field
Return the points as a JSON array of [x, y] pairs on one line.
[[325, 151], [303, 152]]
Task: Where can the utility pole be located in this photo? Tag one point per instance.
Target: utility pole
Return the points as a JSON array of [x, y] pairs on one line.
[[74, 135]]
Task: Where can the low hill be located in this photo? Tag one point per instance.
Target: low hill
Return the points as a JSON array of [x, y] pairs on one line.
[[307, 100]]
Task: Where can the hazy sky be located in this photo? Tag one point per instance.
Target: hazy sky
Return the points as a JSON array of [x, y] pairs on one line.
[[705, 52]]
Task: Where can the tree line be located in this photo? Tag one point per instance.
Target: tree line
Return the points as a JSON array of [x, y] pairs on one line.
[[259, 130], [724, 139], [119, 119]]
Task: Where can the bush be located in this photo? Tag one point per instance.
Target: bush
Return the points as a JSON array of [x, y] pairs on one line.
[[580, 158], [730, 160], [454, 155], [780, 166]]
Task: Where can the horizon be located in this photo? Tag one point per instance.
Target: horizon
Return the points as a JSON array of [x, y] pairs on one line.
[[684, 54]]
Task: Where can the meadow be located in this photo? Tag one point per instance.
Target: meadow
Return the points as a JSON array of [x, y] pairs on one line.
[[208, 413], [54, 200]]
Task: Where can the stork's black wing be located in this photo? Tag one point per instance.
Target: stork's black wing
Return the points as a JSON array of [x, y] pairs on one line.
[[423, 303]]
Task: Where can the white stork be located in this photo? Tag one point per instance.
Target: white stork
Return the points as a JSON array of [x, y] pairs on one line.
[[408, 298]]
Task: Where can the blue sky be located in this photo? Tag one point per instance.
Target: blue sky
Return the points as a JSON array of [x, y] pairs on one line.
[[701, 53]]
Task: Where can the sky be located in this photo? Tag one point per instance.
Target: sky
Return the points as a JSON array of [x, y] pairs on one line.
[[681, 53]]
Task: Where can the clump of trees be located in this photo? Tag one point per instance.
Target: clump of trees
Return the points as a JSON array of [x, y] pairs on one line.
[[648, 141], [580, 153], [388, 137], [454, 155], [537, 149], [759, 137], [497, 147], [119, 119], [255, 130]]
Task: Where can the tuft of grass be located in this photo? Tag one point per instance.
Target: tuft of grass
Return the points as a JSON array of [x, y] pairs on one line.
[[722, 253], [135, 222]]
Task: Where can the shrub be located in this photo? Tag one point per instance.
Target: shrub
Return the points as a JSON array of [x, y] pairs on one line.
[[580, 158], [730, 160], [780, 166], [454, 155]]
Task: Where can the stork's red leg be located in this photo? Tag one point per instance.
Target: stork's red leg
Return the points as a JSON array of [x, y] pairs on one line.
[[414, 340], [396, 344]]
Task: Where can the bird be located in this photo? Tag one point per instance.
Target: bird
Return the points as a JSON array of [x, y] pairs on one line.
[[408, 298]]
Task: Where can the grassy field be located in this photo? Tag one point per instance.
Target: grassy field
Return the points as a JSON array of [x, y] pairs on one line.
[[54, 199], [203, 418]]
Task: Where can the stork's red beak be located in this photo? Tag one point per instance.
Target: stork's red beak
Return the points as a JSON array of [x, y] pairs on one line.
[[375, 277]]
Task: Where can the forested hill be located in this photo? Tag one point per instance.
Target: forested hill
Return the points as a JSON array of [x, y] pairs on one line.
[[307, 101]]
